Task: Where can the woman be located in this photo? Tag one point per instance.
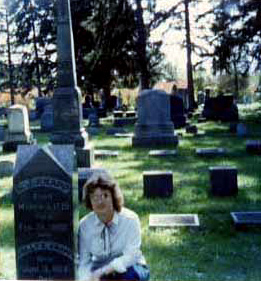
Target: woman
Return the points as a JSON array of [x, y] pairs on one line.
[[110, 235]]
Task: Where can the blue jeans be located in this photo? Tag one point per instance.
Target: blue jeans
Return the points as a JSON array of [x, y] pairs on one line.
[[138, 272]]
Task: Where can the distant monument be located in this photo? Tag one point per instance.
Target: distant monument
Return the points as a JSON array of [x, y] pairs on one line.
[[154, 126], [67, 127], [18, 131]]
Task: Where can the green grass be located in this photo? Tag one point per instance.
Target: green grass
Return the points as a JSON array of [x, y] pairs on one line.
[[214, 252]]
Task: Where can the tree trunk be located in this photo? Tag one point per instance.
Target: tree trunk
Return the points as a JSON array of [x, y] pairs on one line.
[[10, 65], [141, 48], [192, 104]]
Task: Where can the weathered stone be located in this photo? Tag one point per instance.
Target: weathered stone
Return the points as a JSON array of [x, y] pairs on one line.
[[18, 131], [162, 153], [46, 218], [173, 220], [154, 126], [211, 152], [157, 184], [223, 181], [6, 168]]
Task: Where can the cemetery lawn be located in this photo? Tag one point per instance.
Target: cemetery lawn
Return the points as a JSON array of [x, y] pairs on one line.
[[215, 251]]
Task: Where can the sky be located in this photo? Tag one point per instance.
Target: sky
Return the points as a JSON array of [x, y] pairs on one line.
[[171, 39]]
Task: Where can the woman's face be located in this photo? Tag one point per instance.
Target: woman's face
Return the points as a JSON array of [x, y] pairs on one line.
[[102, 204]]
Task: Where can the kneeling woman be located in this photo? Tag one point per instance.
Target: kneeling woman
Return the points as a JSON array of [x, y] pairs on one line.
[[110, 235]]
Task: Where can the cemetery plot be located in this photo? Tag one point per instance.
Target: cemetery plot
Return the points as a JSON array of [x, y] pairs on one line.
[[162, 153], [173, 220], [246, 218]]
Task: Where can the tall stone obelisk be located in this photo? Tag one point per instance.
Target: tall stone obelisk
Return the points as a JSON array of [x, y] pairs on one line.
[[68, 128]]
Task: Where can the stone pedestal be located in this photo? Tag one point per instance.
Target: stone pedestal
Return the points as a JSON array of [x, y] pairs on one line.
[[154, 126], [18, 131]]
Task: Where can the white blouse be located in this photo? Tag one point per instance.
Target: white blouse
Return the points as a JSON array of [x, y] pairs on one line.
[[121, 238]]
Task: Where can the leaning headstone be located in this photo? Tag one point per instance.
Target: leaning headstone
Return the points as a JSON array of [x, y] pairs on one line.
[[249, 218], [253, 147], [162, 153], [18, 131], [83, 175], [46, 218], [157, 184], [173, 220], [154, 126], [223, 181]]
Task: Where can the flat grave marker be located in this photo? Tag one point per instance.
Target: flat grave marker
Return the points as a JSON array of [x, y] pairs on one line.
[[211, 152], [246, 218], [163, 153], [173, 220], [105, 153]]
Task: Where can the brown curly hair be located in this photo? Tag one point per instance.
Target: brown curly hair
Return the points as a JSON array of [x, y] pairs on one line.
[[103, 181]]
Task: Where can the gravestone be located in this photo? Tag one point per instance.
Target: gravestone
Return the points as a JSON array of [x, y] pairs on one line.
[[40, 104], [173, 220], [241, 130], [249, 218], [47, 119], [46, 218], [191, 129], [157, 184], [93, 119], [6, 168], [223, 181], [117, 113], [177, 111], [83, 175], [154, 126], [18, 131], [220, 108], [2, 133], [163, 153], [130, 114], [211, 152], [105, 154], [253, 147], [68, 121], [123, 121], [117, 130]]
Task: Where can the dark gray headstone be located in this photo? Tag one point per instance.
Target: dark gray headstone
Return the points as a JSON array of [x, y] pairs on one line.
[[47, 119], [130, 114], [123, 121], [253, 146], [173, 220], [46, 218], [223, 181], [191, 129], [154, 126], [117, 113], [83, 175], [2, 133], [157, 184]]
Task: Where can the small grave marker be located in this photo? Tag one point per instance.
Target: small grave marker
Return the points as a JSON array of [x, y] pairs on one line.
[[223, 181], [157, 184], [246, 218], [173, 220], [162, 153], [253, 146], [211, 152], [105, 153]]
